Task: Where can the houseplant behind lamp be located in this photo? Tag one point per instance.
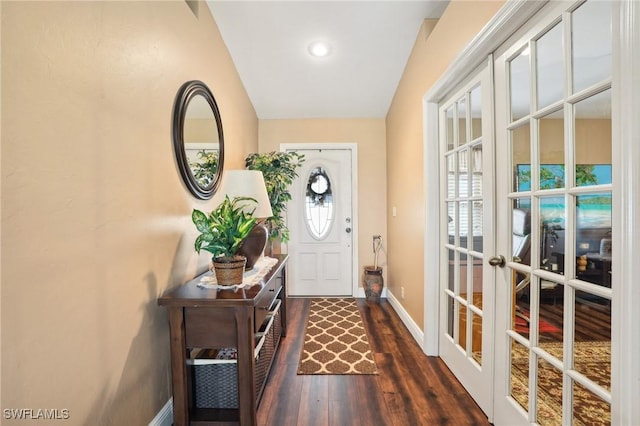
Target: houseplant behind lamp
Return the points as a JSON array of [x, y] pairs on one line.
[[279, 170], [221, 232]]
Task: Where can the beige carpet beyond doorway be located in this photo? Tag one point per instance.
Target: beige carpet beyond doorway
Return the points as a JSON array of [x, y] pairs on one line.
[[335, 341]]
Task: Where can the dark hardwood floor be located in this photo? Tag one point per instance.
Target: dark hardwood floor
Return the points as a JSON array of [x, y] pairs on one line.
[[410, 389]]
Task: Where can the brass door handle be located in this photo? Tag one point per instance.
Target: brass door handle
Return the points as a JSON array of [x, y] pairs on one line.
[[498, 260]]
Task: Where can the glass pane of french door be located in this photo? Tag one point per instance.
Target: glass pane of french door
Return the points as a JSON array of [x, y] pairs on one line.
[[464, 205], [466, 184], [559, 200]]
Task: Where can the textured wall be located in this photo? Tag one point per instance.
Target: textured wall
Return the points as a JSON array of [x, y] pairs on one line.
[[95, 220], [436, 46]]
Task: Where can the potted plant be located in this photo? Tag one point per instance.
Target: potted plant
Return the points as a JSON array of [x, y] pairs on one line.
[[221, 232], [279, 171]]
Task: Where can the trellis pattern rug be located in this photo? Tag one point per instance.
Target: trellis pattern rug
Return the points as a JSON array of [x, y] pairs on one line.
[[335, 341], [591, 358]]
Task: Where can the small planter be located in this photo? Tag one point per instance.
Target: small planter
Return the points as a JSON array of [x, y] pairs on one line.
[[373, 283], [229, 269]]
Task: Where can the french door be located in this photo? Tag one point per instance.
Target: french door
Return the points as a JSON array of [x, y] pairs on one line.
[[554, 195], [466, 280]]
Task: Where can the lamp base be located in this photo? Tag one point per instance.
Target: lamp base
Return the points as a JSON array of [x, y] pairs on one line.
[[252, 247]]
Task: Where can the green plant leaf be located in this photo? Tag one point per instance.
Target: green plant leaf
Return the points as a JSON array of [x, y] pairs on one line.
[[200, 220]]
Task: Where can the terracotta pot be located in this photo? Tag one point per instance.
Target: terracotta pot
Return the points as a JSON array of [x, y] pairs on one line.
[[229, 269]]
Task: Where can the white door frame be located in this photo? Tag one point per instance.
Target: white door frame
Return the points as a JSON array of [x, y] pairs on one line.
[[356, 289], [625, 372], [625, 326]]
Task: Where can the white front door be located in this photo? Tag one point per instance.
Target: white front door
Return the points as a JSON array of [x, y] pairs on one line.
[[320, 221], [554, 193], [466, 240]]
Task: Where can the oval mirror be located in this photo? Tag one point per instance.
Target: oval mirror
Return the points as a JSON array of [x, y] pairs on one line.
[[198, 140]]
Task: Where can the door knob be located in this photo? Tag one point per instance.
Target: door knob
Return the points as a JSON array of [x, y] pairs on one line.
[[498, 260]]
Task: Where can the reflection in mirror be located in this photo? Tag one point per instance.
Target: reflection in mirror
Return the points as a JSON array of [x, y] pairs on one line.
[[201, 142], [198, 139]]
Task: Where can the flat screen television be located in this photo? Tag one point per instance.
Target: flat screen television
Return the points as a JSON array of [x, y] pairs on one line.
[[552, 175], [593, 210]]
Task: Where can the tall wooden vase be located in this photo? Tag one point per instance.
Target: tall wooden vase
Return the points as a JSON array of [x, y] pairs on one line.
[[373, 283]]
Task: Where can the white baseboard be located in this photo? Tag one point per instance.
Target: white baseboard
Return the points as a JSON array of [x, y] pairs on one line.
[[164, 416], [415, 331], [361, 295]]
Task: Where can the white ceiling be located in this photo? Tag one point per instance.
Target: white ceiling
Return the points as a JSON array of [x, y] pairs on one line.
[[371, 42]]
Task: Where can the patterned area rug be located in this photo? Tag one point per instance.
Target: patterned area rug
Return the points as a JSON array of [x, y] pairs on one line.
[[335, 341], [592, 359]]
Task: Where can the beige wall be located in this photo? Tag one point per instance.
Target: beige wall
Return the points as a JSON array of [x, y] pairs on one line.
[[369, 135], [200, 130], [95, 220], [592, 136], [436, 46]]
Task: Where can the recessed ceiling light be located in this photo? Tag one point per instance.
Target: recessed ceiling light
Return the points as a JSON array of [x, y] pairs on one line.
[[319, 49]]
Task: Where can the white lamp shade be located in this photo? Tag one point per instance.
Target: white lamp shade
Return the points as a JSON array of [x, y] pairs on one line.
[[245, 183]]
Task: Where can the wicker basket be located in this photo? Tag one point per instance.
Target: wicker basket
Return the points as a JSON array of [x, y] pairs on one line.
[[216, 373], [216, 385], [270, 331], [229, 270]]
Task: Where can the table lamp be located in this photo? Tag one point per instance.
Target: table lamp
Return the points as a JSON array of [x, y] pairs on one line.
[[248, 183]]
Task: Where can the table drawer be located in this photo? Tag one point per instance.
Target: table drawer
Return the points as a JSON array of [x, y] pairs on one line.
[[266, 301]]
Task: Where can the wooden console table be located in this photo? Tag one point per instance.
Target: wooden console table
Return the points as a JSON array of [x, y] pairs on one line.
[[201, 319]]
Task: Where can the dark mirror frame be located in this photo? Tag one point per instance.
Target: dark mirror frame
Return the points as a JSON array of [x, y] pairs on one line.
[[186, 92]]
